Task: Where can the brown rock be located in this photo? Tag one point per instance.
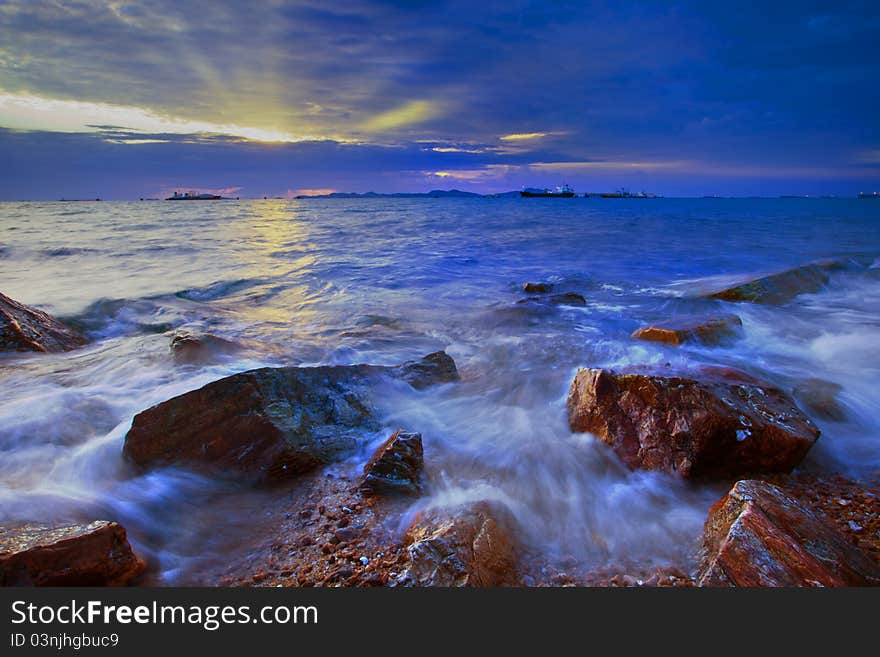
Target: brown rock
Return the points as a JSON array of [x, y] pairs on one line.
[[820, 398], [23, 328], [757, 535], [537, 288], [468, 546], [198, 348], [395, 467], [722, 425], [706, 330], [271, 423], [97, 554], [782, 286]]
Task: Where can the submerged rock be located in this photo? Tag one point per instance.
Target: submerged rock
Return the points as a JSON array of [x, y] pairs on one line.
[[199, 348], [97, 554], [567, 299], [723, 424], [757, 535], [705, 330], [271, 423], [434, 368], [782, 286], [395, 467], [820, 397], [469, 546], [23, 328], [537, 288]]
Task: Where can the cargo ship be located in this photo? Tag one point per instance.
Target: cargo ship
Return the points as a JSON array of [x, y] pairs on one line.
[[560, 192], [192, 196]]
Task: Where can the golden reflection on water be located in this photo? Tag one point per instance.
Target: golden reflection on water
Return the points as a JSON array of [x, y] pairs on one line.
[[274, 244]]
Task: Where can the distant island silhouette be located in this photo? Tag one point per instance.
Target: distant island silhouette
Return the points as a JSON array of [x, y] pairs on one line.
[[437, 193]]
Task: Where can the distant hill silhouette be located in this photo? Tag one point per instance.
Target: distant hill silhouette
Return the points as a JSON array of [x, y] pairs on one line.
[[437, 193]]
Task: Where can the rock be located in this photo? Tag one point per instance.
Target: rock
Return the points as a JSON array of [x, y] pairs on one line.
[[434, 368], [271, 423], [723, 424], [199, 348], [97, 554], [567, 299], [395, 467], [757, 535], [820, 398], [23, 328], [782, 286], [842, 502], [537, 288], [469, 546], [705, 330]]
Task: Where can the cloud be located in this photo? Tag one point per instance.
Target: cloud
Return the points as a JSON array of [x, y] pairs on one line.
[[523, 136], [361, 92], [408, 114], [29, 112]]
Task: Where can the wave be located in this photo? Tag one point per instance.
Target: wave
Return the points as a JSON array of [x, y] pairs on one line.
[[219, 289]]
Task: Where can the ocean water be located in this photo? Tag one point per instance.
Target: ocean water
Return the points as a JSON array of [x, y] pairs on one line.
[[385, 280]]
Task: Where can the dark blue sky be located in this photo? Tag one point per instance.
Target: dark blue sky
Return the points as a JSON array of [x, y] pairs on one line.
[[130, 99]]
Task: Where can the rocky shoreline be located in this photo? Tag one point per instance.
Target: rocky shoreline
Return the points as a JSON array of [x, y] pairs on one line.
[[286, 425]]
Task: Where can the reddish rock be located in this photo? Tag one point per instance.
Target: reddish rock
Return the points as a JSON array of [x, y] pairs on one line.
[[757, 535], [723, 424], [199, 348], [395, 467], [705, 330], [271, 423], [537, 288], [97, 554], [567, 299], [23, 328], [468, 546], [820, 398], [851, 506], [782, 286]]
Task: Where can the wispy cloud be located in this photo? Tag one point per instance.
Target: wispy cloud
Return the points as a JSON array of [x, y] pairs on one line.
[[523, 136]]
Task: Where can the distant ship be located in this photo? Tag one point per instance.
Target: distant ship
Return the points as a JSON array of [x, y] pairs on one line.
[[192, 196], [869, 195], [560, 192], [623, 193]]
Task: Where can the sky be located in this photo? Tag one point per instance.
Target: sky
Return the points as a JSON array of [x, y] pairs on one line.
[[131, 99]]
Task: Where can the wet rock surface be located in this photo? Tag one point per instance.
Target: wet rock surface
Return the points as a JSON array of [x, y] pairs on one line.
[[23, 328], [700, 329], [537, 288], [758, 535], [820, 398], [271, 423], [719, 425], [433, 369], [851, 506], [194, 348], [470, 546], [97, 554], [395, 467], [782, 286]]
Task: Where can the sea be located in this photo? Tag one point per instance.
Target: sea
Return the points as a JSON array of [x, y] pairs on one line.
[[378, 280]]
